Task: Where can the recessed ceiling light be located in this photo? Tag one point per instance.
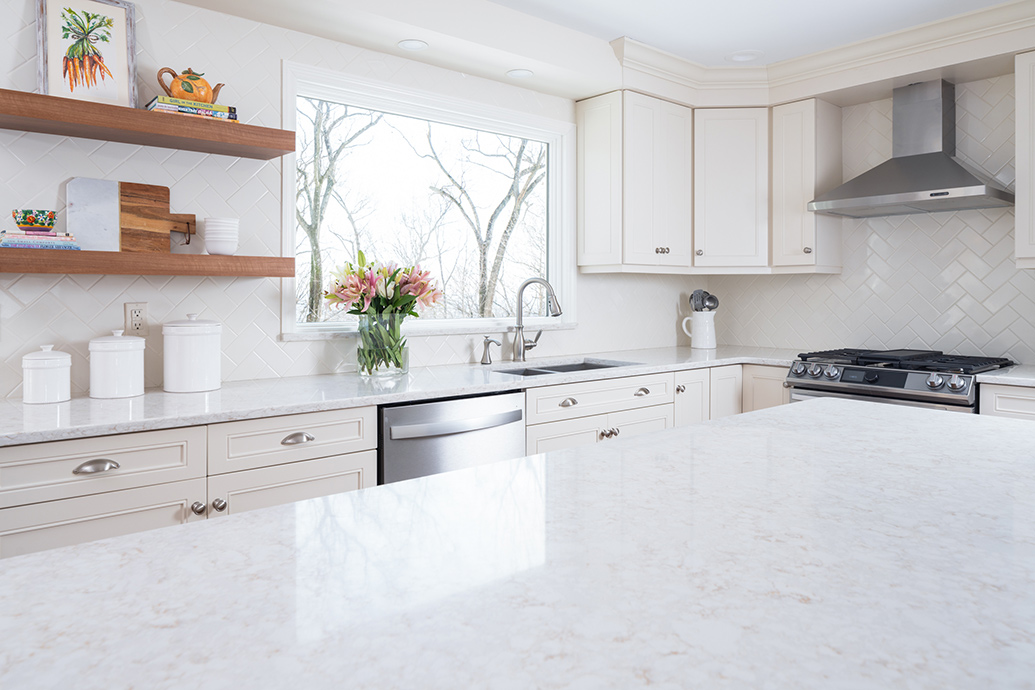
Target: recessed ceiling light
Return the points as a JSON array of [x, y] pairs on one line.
[[520, 73], [744, 56], [412, 44]]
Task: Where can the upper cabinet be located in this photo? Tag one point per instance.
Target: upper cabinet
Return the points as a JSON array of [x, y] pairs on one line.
[[635, 187], [731, 190], [1024, 73]]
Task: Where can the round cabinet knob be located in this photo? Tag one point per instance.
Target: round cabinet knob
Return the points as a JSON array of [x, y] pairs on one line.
[[832, 372], [807, 250], [606, 433], [657, 250], [934, 381], [680, 388], [957, 383], [198, 508], [799, 368], [219, 504], [871, 377], [815, 370], [699, 252]]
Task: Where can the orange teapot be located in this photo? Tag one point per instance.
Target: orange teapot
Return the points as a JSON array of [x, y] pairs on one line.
[[189, 86]]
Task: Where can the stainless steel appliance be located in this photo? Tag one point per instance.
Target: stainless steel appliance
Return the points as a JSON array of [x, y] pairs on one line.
[[917, 378], [432, 437]]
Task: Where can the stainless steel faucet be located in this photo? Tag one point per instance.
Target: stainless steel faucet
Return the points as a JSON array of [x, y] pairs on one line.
[[521, 345]]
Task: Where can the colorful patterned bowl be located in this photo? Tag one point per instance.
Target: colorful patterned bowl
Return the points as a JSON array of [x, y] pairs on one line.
[[29, 219]]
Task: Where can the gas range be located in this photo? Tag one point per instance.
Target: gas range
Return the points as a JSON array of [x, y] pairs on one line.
[[921, 378]]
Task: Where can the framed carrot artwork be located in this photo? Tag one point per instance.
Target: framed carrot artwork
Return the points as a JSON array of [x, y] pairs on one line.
[[87, 50]]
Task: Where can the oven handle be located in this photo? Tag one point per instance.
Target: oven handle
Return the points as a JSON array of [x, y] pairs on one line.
[[798, 395]]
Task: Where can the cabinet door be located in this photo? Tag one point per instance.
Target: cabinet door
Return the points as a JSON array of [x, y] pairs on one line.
[[726, 391], [647, 420], [657, 179], [48, 525], [599, 179], [297, 481], [692, 396], [1024, 74], [571, 433], [806, 163], [731, 187], [763, 387], [1007, 401]]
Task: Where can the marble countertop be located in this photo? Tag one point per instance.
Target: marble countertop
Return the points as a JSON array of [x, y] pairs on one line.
[[84, 416], [1020, 375], [795, 547]]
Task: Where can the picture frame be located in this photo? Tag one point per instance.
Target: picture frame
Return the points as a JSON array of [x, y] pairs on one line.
[[87, 50]]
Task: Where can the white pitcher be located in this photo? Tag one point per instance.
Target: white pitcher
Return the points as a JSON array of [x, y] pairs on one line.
[[702, 329]]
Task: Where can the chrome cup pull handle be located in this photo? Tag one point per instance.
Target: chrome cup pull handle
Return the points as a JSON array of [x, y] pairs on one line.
[[568, 402], [297, 438], [95, 466], [642, 392]]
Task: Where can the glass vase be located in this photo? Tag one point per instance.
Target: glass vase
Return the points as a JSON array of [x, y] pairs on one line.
[[382, 349]]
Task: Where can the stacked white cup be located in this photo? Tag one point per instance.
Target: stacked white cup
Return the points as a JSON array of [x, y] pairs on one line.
[[221, 235]]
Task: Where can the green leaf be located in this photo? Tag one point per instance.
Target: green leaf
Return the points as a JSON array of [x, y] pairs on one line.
[[192, 77], [186, 86], [362, 260]]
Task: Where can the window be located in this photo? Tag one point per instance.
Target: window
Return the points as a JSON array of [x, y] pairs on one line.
[[473, 194]]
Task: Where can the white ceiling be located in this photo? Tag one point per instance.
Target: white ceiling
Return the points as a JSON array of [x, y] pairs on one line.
[[707, 32]]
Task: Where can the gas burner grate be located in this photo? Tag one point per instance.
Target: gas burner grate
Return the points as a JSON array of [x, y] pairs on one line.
[[959, 364], [842, 356]]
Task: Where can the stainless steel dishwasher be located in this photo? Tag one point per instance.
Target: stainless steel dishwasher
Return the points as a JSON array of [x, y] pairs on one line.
[[432, 437]]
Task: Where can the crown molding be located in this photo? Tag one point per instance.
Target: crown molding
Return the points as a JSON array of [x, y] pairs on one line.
[[979, 44]]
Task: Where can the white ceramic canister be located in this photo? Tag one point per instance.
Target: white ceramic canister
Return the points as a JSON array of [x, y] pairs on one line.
[[192, 355], [46, 376], [116, 366]]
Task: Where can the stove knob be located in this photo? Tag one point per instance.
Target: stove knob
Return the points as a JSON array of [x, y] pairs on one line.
[[957, 383], [871, 377], [815, 370], [934, 381], [832, 372], [799, 368]]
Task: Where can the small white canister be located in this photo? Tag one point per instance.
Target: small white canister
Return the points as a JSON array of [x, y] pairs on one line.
[[192, 355], [116, 366], [46, 376]]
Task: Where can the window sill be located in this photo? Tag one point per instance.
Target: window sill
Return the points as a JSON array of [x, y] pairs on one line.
[[413, 328]]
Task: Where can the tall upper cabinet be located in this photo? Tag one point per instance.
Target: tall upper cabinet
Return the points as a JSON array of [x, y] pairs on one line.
[[806, 162], [731, 191], [635, 183], [1024, 73]]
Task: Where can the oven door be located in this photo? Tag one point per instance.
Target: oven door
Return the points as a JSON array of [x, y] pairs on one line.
[[800, 394]]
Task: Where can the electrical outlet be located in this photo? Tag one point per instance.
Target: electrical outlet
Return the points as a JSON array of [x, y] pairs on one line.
[[136, 318]]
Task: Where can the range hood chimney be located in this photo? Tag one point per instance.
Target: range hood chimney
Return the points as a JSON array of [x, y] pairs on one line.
[[923, 175]]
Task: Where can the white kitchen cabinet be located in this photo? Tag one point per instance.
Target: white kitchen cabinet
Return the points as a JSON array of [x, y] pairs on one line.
[[635, 182], [571, 400], [806, 162], [237, 492], [1007, 401], [726, 391], [1024, 233], [731, 187], [584, 431], [763, 387], [51, 524], [692, 396]]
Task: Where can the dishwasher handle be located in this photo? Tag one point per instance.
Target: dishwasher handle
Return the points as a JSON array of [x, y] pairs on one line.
[[454, 426]]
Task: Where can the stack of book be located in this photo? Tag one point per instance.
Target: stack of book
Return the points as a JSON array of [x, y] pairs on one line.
[[37, 239], [178, 106]]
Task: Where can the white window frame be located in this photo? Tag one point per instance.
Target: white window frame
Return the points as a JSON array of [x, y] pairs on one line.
[[314, 82]]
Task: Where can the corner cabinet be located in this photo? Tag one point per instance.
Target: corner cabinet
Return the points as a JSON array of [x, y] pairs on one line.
[[731, 187], [806, 163], [1024, 233], [635, 183]]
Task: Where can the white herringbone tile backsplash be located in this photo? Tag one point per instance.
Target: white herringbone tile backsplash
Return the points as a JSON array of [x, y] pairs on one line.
[[70, 310], [944, 280]]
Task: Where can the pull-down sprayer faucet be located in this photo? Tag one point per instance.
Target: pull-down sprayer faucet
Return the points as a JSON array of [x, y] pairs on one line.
[[521, 345]]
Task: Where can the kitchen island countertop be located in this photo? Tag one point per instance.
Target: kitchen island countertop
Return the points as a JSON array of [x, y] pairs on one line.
[[825, 544]]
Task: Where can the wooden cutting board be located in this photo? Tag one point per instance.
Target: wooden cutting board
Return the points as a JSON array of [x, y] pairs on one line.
[[145, 221]]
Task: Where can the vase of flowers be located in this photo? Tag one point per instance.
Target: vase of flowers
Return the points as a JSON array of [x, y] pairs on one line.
[[382, 295]]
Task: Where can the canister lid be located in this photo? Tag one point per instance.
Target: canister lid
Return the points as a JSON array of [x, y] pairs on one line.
[[116, 341], [192, 326], [46, 358]]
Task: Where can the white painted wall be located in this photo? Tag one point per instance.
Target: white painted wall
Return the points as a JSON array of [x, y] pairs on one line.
[[615, 312], [945, 280]]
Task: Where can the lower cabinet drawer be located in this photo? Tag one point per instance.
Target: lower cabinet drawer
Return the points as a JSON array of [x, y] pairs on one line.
[[585, 431], [1007, 401], [26, 529], [572, 400], [66, 469], [237, 492]]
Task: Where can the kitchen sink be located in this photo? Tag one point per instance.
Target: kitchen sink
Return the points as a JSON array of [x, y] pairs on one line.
[[568, 368]]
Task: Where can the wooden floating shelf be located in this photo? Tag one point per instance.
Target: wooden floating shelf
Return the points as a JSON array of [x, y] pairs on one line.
[[142, 263], [33, 112]]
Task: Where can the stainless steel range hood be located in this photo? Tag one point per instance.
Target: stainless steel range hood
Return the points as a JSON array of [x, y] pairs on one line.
[[923, 176]]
